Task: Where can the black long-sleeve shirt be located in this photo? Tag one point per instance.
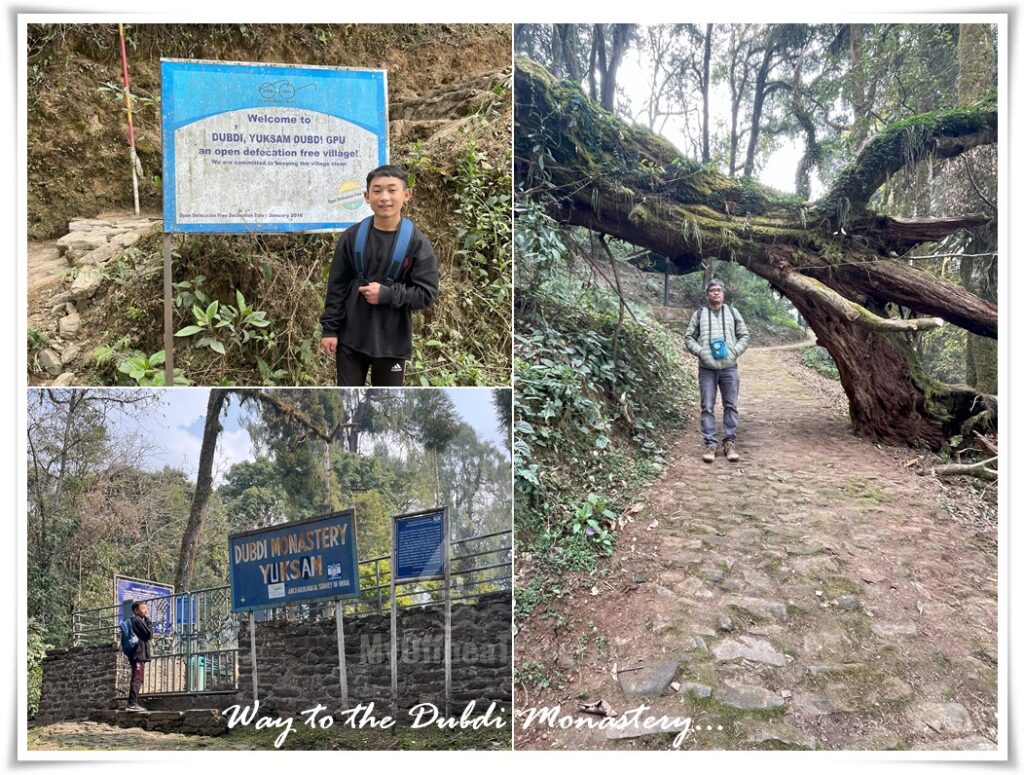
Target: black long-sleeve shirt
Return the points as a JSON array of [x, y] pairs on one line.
[[142, 627], [381, 330]]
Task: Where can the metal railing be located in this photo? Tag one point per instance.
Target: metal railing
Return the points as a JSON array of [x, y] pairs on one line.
[[195, 634]]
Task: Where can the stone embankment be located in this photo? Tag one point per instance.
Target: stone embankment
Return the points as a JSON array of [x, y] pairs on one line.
[[80, 264]]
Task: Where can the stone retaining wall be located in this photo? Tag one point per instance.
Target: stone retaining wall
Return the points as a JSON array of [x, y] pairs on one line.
[[76, 682], [297, 665]]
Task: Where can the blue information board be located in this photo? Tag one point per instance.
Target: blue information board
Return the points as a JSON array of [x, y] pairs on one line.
[[269, 148], [128, 590], [308, 560], [420, 548]]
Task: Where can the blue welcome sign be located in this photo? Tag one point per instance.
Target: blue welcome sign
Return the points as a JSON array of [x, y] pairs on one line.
[[269, 148], [308, 560], [420, 547]]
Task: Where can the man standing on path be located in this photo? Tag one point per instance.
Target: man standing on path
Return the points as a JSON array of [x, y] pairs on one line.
[[718, 336], [143, 629]]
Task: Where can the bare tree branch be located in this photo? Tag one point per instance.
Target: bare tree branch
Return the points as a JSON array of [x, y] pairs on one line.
[[978, 470]]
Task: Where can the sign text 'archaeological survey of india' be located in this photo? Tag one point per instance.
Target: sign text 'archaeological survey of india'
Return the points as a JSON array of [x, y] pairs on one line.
[[264, 148], [308, 560]]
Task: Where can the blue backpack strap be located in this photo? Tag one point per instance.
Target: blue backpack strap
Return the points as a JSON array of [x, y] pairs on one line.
[[361, 234], [399, 250]]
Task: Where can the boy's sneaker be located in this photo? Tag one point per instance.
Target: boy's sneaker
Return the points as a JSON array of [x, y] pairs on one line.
[[709, 453], [730, 452], [136, 709]]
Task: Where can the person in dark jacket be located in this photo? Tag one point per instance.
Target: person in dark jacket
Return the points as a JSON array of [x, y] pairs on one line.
[[142, 628], [367, 321]]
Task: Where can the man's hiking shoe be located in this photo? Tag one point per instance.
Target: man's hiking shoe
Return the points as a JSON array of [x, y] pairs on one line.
[[730, 452], [709, 453]]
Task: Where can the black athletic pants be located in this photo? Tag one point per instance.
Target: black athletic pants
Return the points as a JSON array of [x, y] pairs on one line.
[[138, 670], [353, 366]]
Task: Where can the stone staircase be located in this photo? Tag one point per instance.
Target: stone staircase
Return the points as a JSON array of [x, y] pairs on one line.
[[196, 721], [89, 248]]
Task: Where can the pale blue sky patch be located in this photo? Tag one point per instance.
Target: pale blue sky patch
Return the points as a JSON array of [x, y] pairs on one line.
[[174, 429]]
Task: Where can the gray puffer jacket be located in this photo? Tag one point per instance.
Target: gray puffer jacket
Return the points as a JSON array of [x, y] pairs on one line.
[[706, 325]]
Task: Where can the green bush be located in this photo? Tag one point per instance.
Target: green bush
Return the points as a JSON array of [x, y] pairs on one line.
[[593, 395], [36, 650], [818, 359]]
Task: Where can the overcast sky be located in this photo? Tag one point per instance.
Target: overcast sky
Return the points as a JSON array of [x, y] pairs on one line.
[[778, 170], [175, 428]]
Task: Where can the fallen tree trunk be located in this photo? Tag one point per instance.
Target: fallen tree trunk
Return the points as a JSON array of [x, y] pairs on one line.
[[833, 258]]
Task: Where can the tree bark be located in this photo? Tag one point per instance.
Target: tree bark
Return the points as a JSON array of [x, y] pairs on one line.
[[812, 153], [608, 61], [760, 84], [705, 89], [204, 484], [623, 181]]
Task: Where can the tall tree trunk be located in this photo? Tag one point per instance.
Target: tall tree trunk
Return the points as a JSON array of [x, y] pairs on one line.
[[204, 484], [437, 477], [564, 50], [812, 153], [608, 61], [979, 274], [861, 87], [596, 42], [705, 95], [760, 89]]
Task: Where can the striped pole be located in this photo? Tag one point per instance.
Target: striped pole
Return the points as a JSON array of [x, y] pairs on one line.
[[131, 129]]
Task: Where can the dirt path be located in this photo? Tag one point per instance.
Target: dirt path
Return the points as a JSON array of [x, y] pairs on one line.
[[813, 595]]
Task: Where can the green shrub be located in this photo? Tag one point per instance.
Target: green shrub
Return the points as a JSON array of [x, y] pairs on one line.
[[36, 650], [593, 396], [818, 359]]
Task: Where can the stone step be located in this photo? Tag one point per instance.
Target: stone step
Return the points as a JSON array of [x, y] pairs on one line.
[[198, 721]]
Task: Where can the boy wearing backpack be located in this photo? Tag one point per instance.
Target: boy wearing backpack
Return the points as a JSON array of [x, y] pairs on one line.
[[383, 268], [136, 633], [717, 335]]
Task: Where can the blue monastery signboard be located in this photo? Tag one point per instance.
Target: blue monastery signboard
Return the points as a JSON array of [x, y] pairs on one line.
[[309, 560]]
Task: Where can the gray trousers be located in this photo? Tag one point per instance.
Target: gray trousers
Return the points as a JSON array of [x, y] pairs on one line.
[[711, 381]]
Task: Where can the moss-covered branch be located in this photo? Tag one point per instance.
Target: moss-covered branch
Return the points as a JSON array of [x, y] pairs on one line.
[[886, 235], [853, 312], [942, 133], [625, 181]]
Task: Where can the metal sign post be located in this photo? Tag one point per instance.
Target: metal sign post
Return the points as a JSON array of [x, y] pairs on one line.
[[339, 615], [394, 628], [253, 148], [419, 552], [447, 626], [312, 559], [168, 315], [129, 590], [252, 651]]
